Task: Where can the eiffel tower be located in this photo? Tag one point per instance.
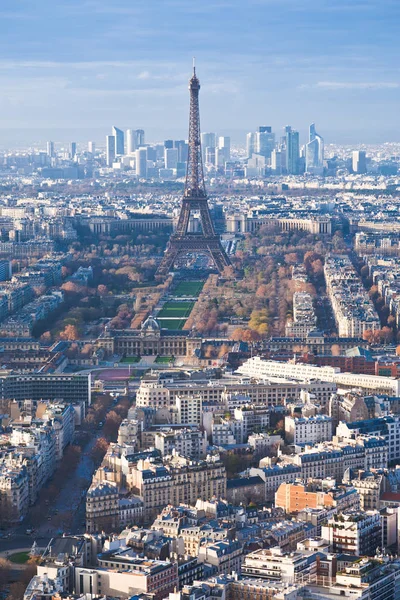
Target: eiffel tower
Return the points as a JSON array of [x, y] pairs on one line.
[[194, 199]]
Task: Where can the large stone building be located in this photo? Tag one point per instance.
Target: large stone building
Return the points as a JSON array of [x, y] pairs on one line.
[[175, 480], [102, 507], [259, 391], [150, 340]]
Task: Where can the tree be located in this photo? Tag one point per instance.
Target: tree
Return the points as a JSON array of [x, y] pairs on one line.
[[102, 290], [386, 334], [291, 258], [71, 286], [70, 332], [5, 569], [245, 335], [111, 426], [17, 591], [45, 337]]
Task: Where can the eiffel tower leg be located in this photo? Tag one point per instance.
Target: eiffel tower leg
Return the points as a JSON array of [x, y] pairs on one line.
[[167, 261], [206, 223], [184, 217], [220, 258]]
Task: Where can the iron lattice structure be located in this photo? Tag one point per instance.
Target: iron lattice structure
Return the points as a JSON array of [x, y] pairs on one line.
[[194, 199]]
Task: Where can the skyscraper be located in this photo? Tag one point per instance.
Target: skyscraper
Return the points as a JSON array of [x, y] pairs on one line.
[[170, 158], [224, 145], [278, 161], [182, 147], [210, 156], [141, 162], [50, 149], [251, 143], [314, 152], [139, 138], [208, 140], [91, 147], [265, 141], [359, 161], [168, 143], [130, 141], [72, 150], [110, 150], [292, 150], [118, 134]]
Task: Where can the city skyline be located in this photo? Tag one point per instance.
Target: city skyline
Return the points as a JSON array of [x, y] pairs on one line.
[[284, 64]]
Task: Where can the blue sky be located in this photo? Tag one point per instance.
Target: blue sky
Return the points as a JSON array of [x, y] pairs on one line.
[[69, 65]]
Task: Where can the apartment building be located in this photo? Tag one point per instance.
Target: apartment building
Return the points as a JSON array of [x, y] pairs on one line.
[[175, 480], [304, 317], [14, 494], [102, 507], [144, 576], [354, 532], [262, 391], [302, 430], [223, 557], [353, 309]]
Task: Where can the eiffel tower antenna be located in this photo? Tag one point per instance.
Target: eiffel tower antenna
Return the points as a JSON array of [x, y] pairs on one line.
[[194, 199]]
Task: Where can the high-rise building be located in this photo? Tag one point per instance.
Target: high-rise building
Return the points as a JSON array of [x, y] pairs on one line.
[[168, 144], [182, 147], [251, 142], [72, 150], [139, 138], [264, 141], [170, 158], [292, 150], [141, 162], [359, 161], [314, 152], [91, 147], [110, 150], [224, 145], [278, 161], [130, 141], [208, 140], [118, 134], [50, 149], [220, 157], [210, 156]]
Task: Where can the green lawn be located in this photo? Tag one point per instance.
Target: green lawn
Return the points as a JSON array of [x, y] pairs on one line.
[[188, 288], [175, 309], [130, 360], [164, 360], [171, 323], [19, 558]]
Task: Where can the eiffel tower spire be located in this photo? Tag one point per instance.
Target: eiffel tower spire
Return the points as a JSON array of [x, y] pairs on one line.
[[195, 186], [194, 199]]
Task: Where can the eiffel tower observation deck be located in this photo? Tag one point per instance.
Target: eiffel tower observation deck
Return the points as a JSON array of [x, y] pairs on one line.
[[194, 199]]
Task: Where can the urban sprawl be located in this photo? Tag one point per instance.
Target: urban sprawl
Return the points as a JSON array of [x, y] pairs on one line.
[[200, 368]]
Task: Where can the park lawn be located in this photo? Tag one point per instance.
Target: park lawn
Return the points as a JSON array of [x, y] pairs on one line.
[[130, 360], [172, 324], [19, 558], [188, 288], [175, 309], [164, 360]]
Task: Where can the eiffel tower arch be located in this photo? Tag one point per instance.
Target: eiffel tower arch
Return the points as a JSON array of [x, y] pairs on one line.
[[194, 200]]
